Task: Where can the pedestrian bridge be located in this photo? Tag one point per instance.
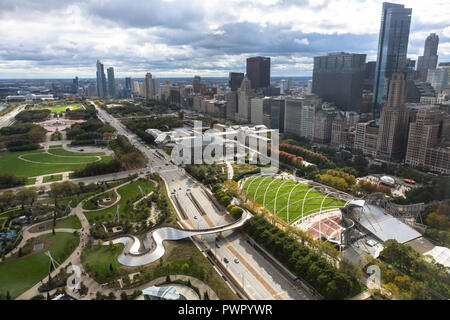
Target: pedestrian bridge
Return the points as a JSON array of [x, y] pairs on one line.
[[153, 245]]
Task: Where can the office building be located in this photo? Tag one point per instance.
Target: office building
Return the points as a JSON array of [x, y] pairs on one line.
[[111, 83], [299, 114], [439, 78], [235, 80], [392, 50], [148, 86], [366, 136], [232, 102], [276, 107], [258, 72], [129, 84], [339, 78], [369, 75], [423, 134], [257, 106], [196, 84], [430, 58], [101, 81], [245, 94], [391, 143]]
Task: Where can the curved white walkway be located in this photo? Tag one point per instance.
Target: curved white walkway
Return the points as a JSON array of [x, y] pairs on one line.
[[132, 257]]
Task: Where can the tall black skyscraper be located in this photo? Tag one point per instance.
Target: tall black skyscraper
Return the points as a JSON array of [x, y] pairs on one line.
[[392, 50], [101, 80], [235, 80], [430, 58], [339, 78], [258, 72], [369, 75], [111, 83]]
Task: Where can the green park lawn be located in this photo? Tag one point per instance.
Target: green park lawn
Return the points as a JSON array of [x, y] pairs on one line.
[[52, 178], [20, 275], [61, 152], [71, 222], [10, 163], [97, 260], [127, 192], [276, 198], [61, 107], [31, 181]]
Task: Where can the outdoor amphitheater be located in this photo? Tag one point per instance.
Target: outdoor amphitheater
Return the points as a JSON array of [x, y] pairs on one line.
[[306, 204]]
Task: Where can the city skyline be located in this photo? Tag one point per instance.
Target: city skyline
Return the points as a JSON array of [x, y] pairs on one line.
[[192, 39]]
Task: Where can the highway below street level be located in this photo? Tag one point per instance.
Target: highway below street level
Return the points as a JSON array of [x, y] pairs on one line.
[[256, 275]]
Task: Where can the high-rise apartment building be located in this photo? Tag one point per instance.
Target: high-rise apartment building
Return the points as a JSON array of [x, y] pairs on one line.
[[101, 81], [111, 83], [369, 75], [235, 80], [196, 84], [339, 78], [430, 58], [392, 50], [129, 84], [391, 143], [232, 101], [258, 72]]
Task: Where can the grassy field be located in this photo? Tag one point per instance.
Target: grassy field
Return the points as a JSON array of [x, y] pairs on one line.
[[60, 107], [127, 192], [61, 152], [10, 162], [31, 181], [52, 178], [98, 259], [19, 275], [277, 196], [71, 222]]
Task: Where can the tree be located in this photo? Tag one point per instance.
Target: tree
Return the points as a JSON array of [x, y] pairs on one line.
[[123, 296], [206, 296], [8, 295], [111, 269], [26, 196]]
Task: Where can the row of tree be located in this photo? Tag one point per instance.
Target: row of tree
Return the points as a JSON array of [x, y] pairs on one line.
[[22, 137], [317, 271], [319, 159]]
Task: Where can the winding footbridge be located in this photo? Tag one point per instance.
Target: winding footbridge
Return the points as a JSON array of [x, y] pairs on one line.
[[153, 245]]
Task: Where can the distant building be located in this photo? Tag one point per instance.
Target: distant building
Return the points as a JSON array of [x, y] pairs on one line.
[[257, 106], [148, 86], [235, 80], [392, 50], [129, 84], [299, 115], [391, 144], [111, 83], [322, 125], [430, 58], [339, 78], [245, 94], [258, 72], [366, 136], [416, 90], [369, 75], [423, 134], [232, 102], [439, 78], [196, 84], [276, 107], [101, 81]]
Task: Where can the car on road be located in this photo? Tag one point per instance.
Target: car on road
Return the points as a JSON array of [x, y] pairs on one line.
[[225, 260], [217, 245], [188, 189], [236, 260], [173, 192]]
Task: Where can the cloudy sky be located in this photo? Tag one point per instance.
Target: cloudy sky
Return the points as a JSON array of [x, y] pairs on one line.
[[64, 38]]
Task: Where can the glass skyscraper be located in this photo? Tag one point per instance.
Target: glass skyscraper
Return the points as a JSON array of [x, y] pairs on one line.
[[392, 50], [111, 83], [101, 80]]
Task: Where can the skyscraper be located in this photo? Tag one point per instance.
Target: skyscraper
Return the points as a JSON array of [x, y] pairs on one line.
[[339, 78], [101, 80], [235, 80], [111, 83], [258, 72], [148, 85], [129, 84], [392, 50], [391, 142], [245, 94], [430, 58], [369, 75]]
